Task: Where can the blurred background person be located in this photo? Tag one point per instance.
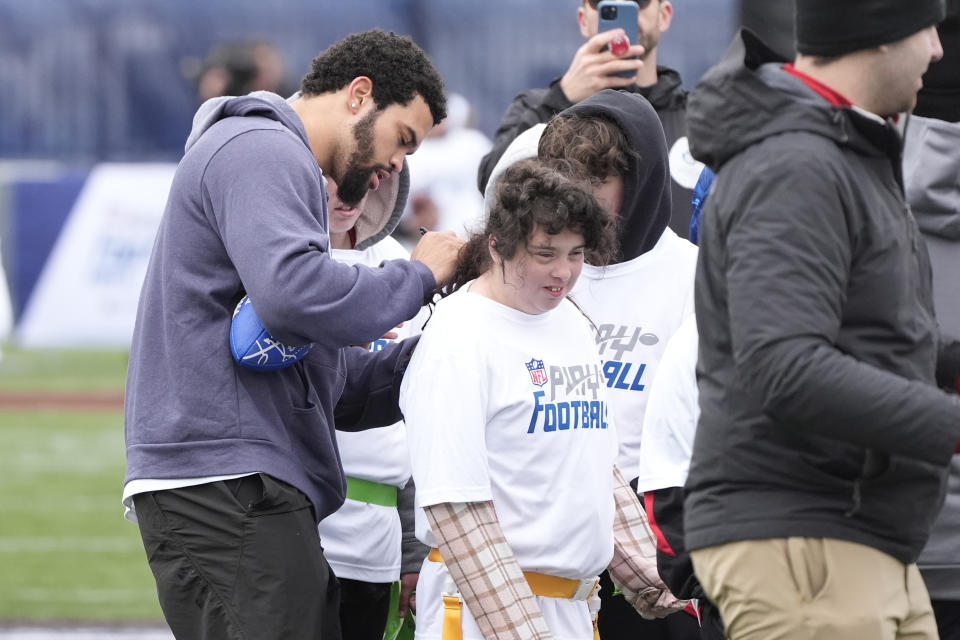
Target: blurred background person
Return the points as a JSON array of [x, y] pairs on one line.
[[6, 306], [237, 67], [931, 175], [365, 541], [443, 193], [940, 96], [932, 180]]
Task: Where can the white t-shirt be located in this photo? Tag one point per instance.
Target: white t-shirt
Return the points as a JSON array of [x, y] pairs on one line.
[[510, 407], [361, 541], [672, 413], [637, 306]]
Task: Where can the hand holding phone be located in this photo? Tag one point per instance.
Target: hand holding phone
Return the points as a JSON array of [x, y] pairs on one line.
[[619, 14], [601, 62]]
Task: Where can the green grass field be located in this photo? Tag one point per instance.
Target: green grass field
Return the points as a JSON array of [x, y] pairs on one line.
[[65, 550]]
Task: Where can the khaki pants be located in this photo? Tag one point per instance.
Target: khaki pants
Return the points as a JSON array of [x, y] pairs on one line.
[[814, 589]]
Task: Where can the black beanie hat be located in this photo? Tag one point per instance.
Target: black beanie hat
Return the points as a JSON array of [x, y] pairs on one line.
[[837, 27]]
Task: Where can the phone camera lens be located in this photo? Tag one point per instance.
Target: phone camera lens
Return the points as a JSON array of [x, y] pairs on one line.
[[608, 13]]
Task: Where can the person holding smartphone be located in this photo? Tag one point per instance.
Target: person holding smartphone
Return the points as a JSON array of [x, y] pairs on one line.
[[593, 68]]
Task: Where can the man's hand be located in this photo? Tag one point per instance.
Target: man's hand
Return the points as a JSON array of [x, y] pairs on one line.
[[438, 250], [408, 594], [654, 603], [392, 334], [389, 335], [591, 69]]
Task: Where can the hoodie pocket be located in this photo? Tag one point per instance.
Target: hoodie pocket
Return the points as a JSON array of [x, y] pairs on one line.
[[809, 567], [301, 393]]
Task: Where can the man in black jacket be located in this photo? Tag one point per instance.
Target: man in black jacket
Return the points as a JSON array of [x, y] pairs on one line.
[[589, 72], [821, 451]]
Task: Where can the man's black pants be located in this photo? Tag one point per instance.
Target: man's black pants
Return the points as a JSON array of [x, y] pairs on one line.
[[947, 613], [239, 559], [363, 609]]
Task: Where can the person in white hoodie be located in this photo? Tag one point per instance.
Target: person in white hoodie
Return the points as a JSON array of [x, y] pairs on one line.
[[364, 541]]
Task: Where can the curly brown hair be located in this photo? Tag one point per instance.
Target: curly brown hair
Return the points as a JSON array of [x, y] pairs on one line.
[[398, 68], [531, 195], [589, 147]]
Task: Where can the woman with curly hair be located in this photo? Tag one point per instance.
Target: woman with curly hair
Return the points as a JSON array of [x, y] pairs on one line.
[[509, 431]]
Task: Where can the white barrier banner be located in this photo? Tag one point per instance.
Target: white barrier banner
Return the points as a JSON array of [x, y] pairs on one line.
[[88, 291]]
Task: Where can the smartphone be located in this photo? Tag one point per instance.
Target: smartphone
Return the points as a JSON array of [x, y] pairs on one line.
[[619, 14]]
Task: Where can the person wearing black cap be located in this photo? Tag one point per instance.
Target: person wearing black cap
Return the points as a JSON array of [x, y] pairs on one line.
[[821, 451]]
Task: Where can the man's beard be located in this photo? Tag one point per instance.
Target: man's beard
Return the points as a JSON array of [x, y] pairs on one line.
[[649, 42], [354, 184]]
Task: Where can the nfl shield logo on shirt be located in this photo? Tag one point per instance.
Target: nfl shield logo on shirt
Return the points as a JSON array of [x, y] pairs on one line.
[[537, 373]]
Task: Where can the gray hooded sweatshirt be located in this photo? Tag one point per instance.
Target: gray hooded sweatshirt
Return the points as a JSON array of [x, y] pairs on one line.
[[247, 214], [931, 175]]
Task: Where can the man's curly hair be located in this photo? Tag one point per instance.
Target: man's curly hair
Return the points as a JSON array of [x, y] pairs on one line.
[[588, 147], [398, 68]]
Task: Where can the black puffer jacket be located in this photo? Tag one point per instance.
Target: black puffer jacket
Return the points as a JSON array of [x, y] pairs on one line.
[[820, 414]]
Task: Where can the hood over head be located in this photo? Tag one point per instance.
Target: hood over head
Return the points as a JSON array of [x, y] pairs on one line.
[[931, 175], [647, 203], [523, 147], [383, 208]]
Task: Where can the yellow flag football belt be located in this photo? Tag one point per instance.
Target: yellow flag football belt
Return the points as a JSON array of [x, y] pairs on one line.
[[541, 584]]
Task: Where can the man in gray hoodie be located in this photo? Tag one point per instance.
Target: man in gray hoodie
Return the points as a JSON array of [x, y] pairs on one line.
[[229, 470], [820, 456]]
